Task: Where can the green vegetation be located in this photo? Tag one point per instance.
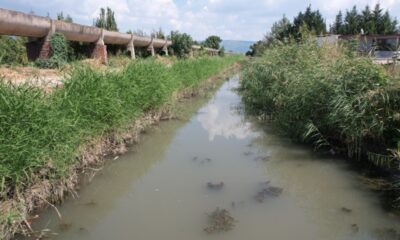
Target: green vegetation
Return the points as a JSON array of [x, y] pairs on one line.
[[370, 21], [181, 44], [59, 53], [41, 134], [106, 20], [13, 50], [311, 21], [212, 42], [329, 97]]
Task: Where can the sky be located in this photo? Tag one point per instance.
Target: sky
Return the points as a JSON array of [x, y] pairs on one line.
[[230, 19]]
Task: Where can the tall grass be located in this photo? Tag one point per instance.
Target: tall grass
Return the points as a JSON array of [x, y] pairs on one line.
[[328, 97], [40, 134]]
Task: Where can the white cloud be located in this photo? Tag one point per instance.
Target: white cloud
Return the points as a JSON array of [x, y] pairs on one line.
[[231, 19]]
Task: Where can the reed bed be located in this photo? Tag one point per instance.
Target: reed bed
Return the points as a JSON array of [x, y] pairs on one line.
[[330, 97]]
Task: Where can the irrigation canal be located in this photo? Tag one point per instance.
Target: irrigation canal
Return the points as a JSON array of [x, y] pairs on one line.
[[165, 186]]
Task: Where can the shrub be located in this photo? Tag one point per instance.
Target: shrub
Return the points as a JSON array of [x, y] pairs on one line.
[[59, 53], [13, 50]]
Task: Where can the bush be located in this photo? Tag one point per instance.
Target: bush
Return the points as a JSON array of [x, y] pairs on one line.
[[59, 53], [13, 50]]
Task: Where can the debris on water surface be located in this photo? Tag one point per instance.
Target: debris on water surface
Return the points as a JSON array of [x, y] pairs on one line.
[[220, 220], [387, 234], [346, 210], [355, 228], [268, 191], [248, 153], [195, 158], [64, 226], [91, 203], [262, 158], [215, 186]]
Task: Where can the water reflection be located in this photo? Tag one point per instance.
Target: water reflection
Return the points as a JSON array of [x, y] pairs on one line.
[[220, 118]]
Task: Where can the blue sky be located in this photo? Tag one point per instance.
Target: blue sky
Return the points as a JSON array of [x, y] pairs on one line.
[[230, 19]]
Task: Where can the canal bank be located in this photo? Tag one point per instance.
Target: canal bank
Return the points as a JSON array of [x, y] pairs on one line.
[[98, 109], [166, 185]]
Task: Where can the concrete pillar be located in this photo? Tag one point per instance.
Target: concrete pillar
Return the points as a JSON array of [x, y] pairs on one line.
[[40, 47], [131, 46], [99, 50], [151, 48], [165, 48]]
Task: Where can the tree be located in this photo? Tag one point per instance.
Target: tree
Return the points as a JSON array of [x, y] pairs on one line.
[[158, 34], [212, 42], [68, 18], [312, 19], [352, 22], [281, 30], [181, 43], [106, 20], [337, 27]]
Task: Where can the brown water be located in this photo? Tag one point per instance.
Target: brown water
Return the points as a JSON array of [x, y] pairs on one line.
[[159, 189]]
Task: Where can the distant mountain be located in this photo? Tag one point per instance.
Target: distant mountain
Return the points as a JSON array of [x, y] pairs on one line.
[[237, 46]]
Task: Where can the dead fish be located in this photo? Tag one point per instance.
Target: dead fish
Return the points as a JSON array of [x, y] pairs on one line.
[[215, 186]]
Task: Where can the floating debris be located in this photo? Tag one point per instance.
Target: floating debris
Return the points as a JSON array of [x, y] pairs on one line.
[[237, 204], [91, 203], [262, 158], [220, 220], [268, 191], [248, 153], [195, 158], [355, 228], [346, 210], [215, 186], [64, 226], [208, 159], [387, 233]]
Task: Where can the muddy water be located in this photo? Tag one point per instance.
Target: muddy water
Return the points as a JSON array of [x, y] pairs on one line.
[[159, 189]]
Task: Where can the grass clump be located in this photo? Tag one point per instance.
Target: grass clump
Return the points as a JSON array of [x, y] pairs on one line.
[[328, 97]]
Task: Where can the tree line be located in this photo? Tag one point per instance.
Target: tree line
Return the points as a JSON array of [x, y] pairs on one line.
[[369, 21]]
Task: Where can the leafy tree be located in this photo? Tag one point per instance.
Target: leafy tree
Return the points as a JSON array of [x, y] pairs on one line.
[[68, 18], [106, 20], [181, 43], [212, 42]]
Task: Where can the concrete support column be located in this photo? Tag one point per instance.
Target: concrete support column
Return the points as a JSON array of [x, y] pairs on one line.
[[151, 48], [40, 47], [99, 50], [131, 47], [165, 48]]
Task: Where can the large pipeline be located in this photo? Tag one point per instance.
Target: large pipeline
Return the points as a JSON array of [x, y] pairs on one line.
[[21, 24]]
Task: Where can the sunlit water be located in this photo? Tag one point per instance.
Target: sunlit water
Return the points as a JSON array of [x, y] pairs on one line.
[[159, 189]]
